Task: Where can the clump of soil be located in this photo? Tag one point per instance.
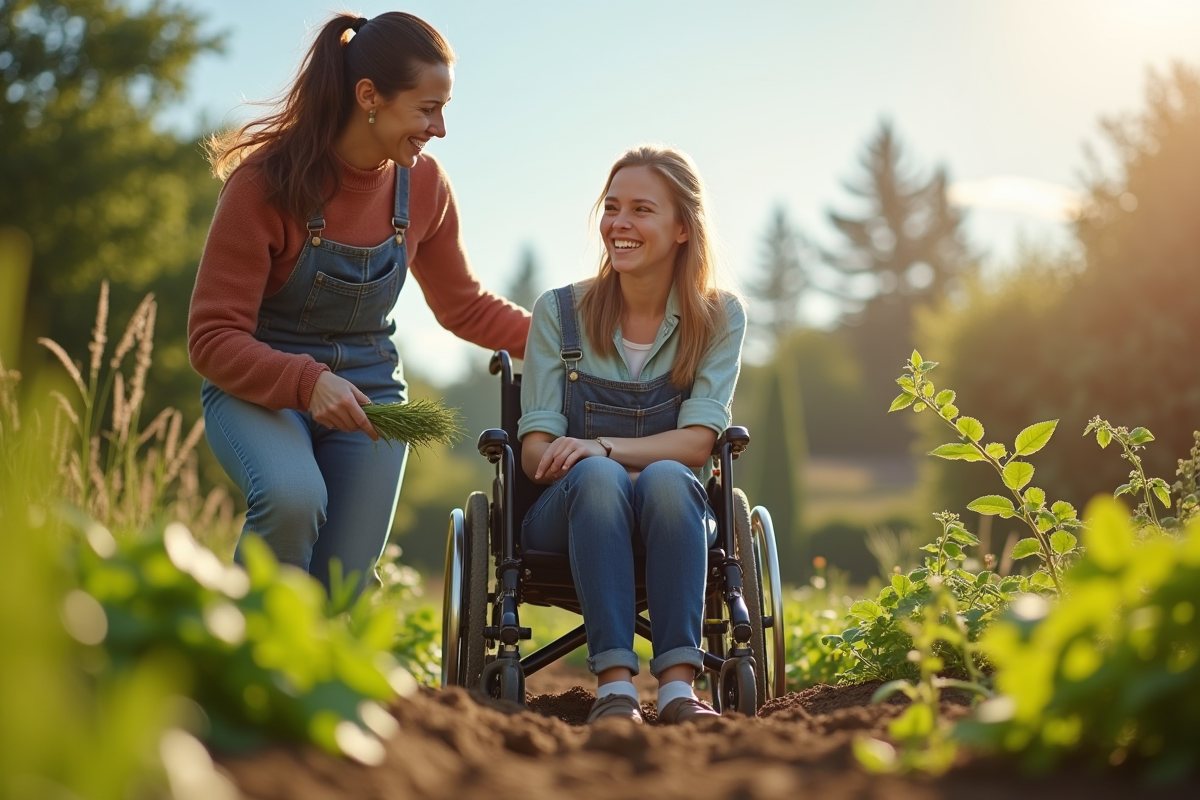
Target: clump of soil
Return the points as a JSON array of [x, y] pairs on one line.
[[455, 744]]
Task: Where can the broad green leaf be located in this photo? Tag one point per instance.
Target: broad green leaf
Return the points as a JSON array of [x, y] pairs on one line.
[[1062, 542], [1018, 474], [1010, 584], [1034, 438], [902, 585], [919, 407], [970, 428], [930, 548], [916, 359], [963, 536], [952, 550], [866, 610], [1140, 436], [992, 504], [903, 401], [943, 397], [906, 383], [982, 578], [996, 450], [1063, 511], [1035, 496], [1045, 521], [919, 574], [1041, 580], [957, 451], [1159, 487], [927, 365], [949, 411], [1103, 437], [916, 723], [1026, 548], [1124, 488], [927, 390]]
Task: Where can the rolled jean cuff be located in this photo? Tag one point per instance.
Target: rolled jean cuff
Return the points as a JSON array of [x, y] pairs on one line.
[[692, 656], [613, 658]]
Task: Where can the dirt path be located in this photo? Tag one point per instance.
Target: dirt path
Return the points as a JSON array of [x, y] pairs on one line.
[[457, 745]]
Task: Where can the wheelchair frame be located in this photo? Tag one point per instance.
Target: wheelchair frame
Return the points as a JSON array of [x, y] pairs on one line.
[[743, 608]]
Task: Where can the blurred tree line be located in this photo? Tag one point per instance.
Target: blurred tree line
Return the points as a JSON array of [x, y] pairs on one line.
[[96, 189]]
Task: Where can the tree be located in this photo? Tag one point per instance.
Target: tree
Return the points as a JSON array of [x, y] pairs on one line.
[[1116, 339], [526, 286], [100, 192], [906, 249], [783, 277]]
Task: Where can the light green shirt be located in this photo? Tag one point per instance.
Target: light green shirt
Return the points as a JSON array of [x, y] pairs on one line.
[[712, 389]]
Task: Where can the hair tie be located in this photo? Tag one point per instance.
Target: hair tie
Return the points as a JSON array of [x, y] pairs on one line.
[[357, 25]]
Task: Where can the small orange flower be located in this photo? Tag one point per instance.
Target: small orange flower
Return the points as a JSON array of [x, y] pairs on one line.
[[819, 562]]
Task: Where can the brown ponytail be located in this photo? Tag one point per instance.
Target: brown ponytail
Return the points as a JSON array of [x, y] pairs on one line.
[[294, 142]]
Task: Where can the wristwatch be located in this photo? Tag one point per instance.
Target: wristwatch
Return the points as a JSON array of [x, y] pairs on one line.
[[606, 444]]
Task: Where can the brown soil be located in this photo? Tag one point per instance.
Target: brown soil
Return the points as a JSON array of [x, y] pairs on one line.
[[454, 744]]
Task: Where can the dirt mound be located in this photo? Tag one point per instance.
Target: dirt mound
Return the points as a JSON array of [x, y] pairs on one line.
[[454, 744]]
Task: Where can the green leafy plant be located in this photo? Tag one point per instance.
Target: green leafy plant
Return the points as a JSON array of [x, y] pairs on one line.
[[877, 646], [1112, 670], [1053, 525], [924, 737], [809, 622], [257, 646], [1187, 504], [1131, 441]]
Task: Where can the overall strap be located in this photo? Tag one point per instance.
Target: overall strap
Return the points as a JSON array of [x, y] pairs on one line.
[[571, 350], [400, 211], [315, 226]]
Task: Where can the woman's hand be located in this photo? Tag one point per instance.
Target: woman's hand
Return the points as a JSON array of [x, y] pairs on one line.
[[337, 403], [563, 453]]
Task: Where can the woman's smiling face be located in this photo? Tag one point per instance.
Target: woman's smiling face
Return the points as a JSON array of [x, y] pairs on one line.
[[406, 123], [640, 227]]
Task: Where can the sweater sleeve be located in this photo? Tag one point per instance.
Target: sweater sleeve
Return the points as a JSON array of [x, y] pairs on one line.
[[229, 289], [459, 303]]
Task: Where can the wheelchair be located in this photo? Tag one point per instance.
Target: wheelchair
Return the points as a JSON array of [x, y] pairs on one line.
[[481, 629]]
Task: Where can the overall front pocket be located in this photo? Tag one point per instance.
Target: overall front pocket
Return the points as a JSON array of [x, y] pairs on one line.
[[632, 423], [338, 306]]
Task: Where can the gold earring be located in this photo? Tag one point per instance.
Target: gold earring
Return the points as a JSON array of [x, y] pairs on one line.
[[371, 116]]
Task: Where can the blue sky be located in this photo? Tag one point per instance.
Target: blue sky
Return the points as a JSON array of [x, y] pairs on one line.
[[774, 100]]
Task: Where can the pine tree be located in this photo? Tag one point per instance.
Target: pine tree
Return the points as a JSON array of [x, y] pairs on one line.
[[782, 278], [526, 288], [907, 248]]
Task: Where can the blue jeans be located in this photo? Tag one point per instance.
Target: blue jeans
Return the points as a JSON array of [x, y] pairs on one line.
[[593, 515], [313, 493]]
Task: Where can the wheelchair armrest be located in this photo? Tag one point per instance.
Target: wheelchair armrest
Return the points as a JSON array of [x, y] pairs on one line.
[[491, 443], [737, 436]]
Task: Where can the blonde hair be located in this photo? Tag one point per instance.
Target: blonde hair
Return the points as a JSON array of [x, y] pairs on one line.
[[701, 311]]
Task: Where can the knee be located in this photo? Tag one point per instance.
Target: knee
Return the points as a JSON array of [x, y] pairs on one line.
[[669, 483], [598, 479], [288, 505]]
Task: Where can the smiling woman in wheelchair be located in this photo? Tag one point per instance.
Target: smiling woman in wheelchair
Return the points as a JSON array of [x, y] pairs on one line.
[[628, 382]]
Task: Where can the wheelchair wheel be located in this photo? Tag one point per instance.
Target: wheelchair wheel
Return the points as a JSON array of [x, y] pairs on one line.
[[475, 588], [754, 542], [738, 690], [464, 595], [504, 679]]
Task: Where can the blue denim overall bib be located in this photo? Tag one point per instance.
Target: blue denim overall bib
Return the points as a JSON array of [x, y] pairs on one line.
[[597, 515], [315, 494]]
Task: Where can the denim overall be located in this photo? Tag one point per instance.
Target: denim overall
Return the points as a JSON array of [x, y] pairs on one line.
[[598, 515], [314, 493]]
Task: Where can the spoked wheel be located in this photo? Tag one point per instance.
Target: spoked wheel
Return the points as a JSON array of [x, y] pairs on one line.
[[464, 597], [754, 540]]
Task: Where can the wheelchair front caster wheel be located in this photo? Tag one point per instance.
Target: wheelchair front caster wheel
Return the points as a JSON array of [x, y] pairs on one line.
[[738, 687], [504, 679]]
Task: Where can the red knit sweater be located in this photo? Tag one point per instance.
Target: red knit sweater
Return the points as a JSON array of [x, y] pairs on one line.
[[252, 248]]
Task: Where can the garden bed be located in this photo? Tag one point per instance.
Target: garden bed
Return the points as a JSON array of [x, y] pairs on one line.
[[455, 744]]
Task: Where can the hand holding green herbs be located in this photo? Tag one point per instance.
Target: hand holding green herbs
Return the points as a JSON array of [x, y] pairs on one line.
[[419, 424]]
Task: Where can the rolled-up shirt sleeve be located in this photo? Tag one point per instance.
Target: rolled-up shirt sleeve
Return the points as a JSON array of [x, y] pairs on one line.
[[710, 404], [542, 380]]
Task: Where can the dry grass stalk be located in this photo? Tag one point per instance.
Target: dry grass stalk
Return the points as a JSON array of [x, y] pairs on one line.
[[99, 333], [68, 364], [193, 438], [120, 413], [11, 420], [173, 436], [132, 331], [156, 427], [142, 366]]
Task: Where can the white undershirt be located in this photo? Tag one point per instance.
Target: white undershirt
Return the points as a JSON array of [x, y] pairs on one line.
[[635, 356]]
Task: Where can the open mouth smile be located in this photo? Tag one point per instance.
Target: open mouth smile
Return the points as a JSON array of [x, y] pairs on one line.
[[625, 245]]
